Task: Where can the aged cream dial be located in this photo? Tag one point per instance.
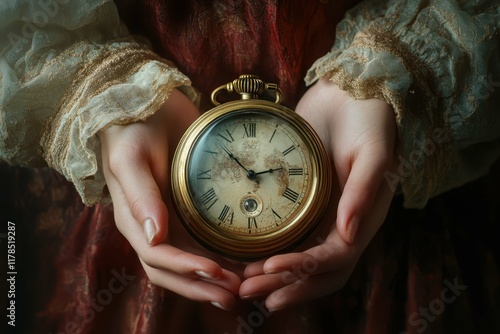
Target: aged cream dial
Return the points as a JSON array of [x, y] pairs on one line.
[[248, 173]]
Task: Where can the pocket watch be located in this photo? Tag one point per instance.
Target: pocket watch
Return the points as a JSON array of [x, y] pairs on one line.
[[250, 177]]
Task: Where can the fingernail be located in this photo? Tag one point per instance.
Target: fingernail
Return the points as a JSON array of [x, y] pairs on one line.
[[270, 271], [149, 230], [352, 228], [274, 309], [218, 305], [204, 274], [248, 296]]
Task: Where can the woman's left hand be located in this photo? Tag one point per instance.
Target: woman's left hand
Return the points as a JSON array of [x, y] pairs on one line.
[[360, 137]]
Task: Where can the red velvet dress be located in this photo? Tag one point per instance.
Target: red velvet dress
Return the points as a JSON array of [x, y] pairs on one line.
[[213, 42], [77, 274]]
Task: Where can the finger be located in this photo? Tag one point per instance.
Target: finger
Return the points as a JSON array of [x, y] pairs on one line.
[[284, 262], [265, 284], [333, 255], [228, 280], [194, 289], [254, 269], [167, 257], [303, 290], [143, 197], [359, 192], [376, 216]]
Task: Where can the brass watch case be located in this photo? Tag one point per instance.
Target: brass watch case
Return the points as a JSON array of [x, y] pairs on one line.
[[236, 245], [251, 247]]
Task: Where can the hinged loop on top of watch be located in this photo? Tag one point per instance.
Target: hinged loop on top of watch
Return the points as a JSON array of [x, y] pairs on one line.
[[249, 86]]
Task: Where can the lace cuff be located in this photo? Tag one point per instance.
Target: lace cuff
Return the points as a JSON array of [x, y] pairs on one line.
[[411, 54], [120, 86]]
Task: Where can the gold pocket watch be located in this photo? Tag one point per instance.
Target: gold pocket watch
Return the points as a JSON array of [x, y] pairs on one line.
[[250, 177]]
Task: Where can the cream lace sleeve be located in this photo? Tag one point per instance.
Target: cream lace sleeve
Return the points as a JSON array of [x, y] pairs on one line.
[[438, 64], [67, 70]]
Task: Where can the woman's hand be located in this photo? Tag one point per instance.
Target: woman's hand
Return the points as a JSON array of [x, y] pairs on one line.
[[360, 137], [136, 161]]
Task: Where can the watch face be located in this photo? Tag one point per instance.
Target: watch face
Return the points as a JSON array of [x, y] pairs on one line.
[[250, 179], [248, 173]]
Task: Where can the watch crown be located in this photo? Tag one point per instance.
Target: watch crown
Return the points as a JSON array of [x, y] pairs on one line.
[[249, 86]]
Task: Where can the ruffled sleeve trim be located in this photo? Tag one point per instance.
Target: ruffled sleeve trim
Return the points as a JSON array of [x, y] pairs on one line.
[[120, 86], [377, 64]]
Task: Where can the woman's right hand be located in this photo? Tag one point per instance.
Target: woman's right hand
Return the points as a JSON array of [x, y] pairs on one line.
[[136, 161]]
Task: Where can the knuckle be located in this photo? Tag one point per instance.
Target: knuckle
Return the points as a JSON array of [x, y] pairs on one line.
[[122, 156], [147, 259], [136, 207]]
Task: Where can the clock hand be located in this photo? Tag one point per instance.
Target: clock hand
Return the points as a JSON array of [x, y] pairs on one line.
[[269, 171], [251, 174], [231, 155]]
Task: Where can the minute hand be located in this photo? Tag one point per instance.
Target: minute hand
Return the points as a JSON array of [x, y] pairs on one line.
[[231, 155]]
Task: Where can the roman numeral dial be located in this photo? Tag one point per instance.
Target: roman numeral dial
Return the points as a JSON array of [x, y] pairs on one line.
[[249, 174]]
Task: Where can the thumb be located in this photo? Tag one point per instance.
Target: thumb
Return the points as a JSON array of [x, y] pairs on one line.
[[143, 197], [358, 194]]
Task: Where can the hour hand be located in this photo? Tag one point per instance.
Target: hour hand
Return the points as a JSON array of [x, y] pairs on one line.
[[269, 171], [253, 175], [231, 155]]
